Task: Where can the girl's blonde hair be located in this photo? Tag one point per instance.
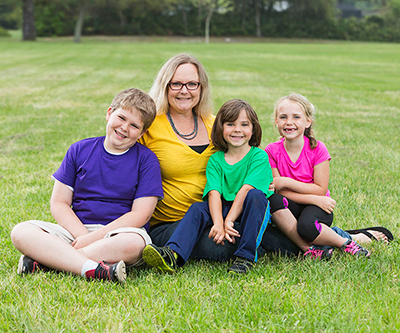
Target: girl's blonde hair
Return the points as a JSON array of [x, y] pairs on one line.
[[159, 89], [229, 112], [308, 109]]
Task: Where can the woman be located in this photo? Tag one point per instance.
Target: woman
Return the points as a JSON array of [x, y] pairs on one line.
[[180, 137]]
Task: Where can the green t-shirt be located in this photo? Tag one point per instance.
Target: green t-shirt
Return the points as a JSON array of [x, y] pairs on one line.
[[253, 169]]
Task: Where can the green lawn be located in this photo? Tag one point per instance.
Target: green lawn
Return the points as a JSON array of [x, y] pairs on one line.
[[54, 92]]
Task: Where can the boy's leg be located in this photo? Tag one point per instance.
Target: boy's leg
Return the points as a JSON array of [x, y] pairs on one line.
[[47, 249], [254, 220], [125, 244], [57, 253]]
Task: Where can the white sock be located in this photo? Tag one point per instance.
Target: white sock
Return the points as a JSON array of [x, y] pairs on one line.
[[87, 266]]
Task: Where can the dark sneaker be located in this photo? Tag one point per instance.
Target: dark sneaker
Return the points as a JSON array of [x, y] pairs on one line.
[[355, 249], [110, 272], [28, 265], [241, 266], [162, 258], [318, 254]]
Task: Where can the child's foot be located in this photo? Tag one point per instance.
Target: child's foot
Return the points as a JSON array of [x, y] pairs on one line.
[[28, 265], [162, 258], [355, 249], [319, 254], [110, 272], [241, 266]]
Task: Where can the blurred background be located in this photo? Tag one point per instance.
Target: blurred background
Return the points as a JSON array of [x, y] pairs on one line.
[[364, 20]]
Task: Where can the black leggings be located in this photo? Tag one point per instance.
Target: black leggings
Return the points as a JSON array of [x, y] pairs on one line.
[[308, 217]]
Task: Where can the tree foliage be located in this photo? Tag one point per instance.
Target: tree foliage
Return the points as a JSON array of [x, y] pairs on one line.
[[300, 19]]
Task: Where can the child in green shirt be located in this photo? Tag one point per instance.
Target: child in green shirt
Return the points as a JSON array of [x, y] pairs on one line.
[[235, 193]]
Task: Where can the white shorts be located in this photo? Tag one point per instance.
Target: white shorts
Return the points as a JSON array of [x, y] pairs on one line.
[[64, 234]]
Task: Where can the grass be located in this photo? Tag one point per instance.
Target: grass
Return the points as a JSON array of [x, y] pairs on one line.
[[54, 92]]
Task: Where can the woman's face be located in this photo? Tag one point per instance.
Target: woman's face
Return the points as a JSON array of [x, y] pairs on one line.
[[183, 100]]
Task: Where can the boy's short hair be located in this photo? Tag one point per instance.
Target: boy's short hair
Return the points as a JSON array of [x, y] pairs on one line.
[[135, 98], [229, 112]]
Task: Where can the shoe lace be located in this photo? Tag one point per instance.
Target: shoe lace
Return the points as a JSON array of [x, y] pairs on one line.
[[352, 248], [103, 271], [314, 253], [242, 262]]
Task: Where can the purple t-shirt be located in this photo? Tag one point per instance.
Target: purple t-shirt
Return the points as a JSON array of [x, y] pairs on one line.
[[303, 169], [105, 185]]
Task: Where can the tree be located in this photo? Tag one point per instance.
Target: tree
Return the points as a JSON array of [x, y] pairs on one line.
[[28, 21]]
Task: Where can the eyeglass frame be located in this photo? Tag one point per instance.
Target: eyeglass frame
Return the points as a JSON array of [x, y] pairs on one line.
[[184, 85]]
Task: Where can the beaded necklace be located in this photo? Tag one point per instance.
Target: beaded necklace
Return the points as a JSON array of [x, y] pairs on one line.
[[189, 136]]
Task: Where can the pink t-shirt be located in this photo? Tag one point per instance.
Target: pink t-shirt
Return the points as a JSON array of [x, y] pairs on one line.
[[303, 169]]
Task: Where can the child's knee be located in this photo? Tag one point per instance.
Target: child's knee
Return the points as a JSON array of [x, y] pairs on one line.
[[20, 232], [308, 230], [254, 195], [278, 202]]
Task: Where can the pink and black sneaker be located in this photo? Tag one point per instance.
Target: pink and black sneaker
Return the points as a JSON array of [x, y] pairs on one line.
[[355, 249], [318, 254]]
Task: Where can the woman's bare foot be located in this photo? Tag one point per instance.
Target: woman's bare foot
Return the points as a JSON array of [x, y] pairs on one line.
[[362, 238]]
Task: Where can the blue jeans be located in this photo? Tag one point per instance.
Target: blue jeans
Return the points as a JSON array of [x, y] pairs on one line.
[[253, 221], [340, 232]]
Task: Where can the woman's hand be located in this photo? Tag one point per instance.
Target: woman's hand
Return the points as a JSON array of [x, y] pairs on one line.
[[217, 234], [231, 232]]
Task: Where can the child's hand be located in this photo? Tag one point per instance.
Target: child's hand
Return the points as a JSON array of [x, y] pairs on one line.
[[231, 232], [272, 187], [217, 234], [83, 241], [327, 204], [279, 183]]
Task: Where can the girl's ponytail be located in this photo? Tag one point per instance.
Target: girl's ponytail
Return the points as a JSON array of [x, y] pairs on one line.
[[310, 135]]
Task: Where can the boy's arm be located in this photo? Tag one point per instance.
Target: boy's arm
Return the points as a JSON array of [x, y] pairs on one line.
[[60, 207], [217, 232], [234, 212], [142, 210]]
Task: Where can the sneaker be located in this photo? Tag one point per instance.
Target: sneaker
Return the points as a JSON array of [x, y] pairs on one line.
[[241, 266], [162, 258], [319, 254], [355, 249], [110, 272], [28, 265]]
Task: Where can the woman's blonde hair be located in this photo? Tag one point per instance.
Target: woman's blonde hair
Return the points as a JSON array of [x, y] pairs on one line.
[[159, 89], [308, 109]]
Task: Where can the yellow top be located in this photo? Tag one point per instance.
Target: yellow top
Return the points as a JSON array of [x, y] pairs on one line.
[[183, 170]]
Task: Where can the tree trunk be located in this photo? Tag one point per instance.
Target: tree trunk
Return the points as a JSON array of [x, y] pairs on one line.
[[28, 18], [79, 25], [208, 20], [257, 18], [199, 15], [185, 21]]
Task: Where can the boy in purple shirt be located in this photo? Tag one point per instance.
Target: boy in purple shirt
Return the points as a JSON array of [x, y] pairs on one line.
[[104, 194]]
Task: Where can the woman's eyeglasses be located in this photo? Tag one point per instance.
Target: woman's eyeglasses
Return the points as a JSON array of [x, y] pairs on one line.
[[192, 85]]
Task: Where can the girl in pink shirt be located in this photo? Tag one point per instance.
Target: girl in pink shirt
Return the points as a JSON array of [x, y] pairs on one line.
[[301, 206]]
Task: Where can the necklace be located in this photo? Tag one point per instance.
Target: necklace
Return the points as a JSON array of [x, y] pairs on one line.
[[189, 136]]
